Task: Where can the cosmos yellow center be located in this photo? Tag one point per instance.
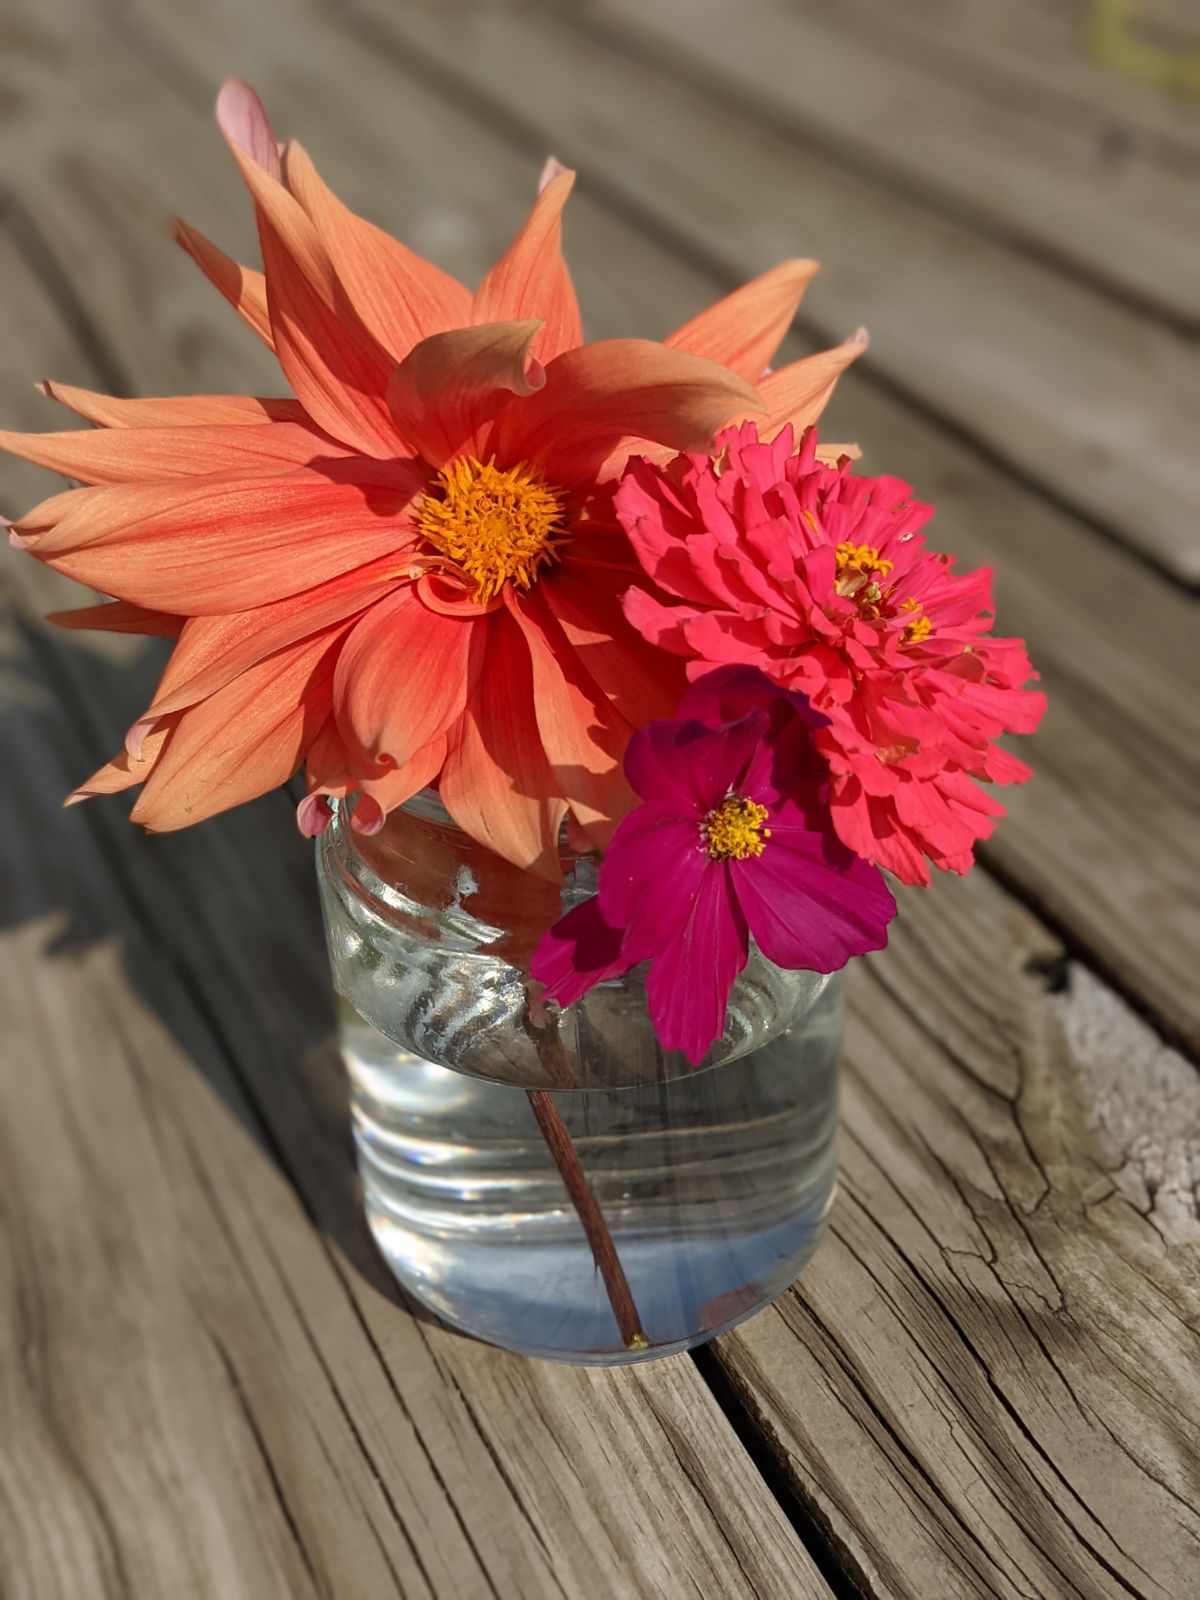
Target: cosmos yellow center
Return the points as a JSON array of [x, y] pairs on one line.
[[859, 570], [735, 829], [497, 525]]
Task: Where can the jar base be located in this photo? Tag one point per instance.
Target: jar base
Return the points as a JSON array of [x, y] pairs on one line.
[[550, 1305]]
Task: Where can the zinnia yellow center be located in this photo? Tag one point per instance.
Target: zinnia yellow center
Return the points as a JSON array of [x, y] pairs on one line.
[[734, 830], [859, 569], [497, 525]]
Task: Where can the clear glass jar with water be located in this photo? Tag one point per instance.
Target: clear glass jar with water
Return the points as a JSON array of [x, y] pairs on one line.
[[710, 1185]]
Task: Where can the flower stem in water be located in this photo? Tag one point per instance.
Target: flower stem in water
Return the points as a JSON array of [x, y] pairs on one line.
[[566, 1158]]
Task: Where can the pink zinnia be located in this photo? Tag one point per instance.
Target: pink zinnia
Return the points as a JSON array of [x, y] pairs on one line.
[[733, 840], [819, 577]]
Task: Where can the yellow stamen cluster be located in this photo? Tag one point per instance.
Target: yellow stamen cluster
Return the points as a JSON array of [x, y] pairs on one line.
[[734, 830], [920, 627], [859, 568], [496, 525]]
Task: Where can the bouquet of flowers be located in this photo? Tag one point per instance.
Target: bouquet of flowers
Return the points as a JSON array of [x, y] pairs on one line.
[[616, 586]]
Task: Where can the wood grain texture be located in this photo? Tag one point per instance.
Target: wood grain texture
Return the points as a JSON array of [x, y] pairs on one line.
[[986, 1385], [1117, 747], [1074, 391], [196, 1320], [1043, 169]]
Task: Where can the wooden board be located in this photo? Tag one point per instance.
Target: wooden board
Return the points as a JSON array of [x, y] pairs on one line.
[[986, 1384], [1079, 394], [211, 1386], [1125, 893], [1021, 159]]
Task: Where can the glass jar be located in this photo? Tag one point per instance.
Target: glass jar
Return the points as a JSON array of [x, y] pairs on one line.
[[554, 1182]]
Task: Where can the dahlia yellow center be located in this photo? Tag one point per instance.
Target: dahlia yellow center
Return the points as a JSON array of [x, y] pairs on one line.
[[497, 525], [735, 829]]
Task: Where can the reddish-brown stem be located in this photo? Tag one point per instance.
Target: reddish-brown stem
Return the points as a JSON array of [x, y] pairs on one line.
[[604, 1251]]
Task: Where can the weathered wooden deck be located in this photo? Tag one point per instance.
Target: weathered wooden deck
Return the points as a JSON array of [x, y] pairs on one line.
[[988, 1383]]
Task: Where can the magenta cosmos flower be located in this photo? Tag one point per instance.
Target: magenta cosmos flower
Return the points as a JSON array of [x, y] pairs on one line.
[[733, 840], [762, 554]]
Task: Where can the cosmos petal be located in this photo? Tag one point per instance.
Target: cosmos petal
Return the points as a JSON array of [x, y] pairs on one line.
[[581, 950], [810, 903], [689, 983]]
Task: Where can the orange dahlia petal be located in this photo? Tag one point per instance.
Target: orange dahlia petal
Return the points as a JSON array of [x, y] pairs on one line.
[[212, 651], [117, 616], [123, 455], [531, 278], [452, 385], [497, 783], [209, 547], [800, 392], [244, 740], [243, 287], [338, 370], [174, 411], [641, 681], [596, 395], [405, 675], [123, 771], [744, 330], [582, 733], [400, 296]]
